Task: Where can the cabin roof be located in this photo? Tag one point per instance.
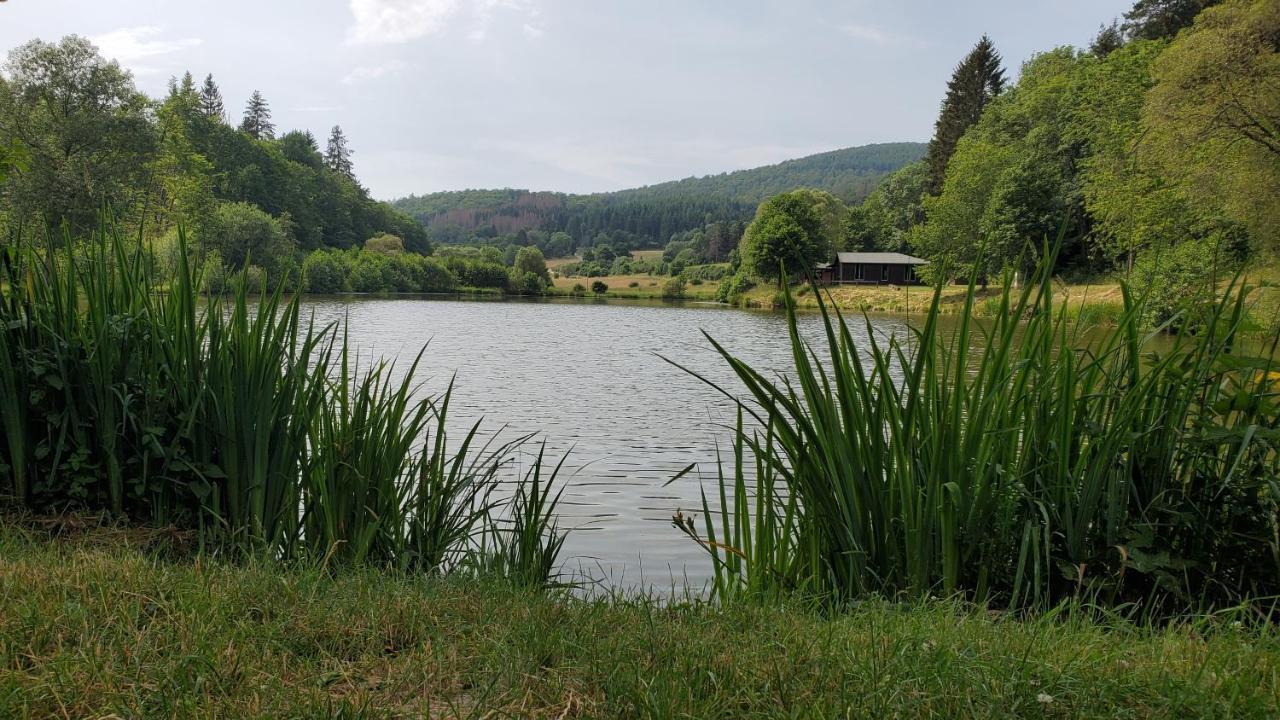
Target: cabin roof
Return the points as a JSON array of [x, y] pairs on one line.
[[881, 258]]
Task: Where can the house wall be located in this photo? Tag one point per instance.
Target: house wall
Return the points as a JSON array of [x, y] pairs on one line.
[[875, 274]]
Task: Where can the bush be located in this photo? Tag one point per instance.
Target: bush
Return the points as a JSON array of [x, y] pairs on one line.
[[1180, 281], [326, 271], [384, 244], [578, 289], [598, 287], [477, 273], [673, 288], [733, 287], [633, 284], [521, 282]]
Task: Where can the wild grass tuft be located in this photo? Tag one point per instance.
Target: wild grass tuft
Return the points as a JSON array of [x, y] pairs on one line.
[[1018, 462]]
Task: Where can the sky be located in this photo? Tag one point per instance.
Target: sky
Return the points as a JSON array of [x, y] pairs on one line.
[[569, 95]]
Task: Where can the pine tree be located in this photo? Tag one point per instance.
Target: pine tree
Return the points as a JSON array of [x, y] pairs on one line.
[[976, 81], [1161, 19], [211, 100], [257, 118], [337, 156], [1109, 39]]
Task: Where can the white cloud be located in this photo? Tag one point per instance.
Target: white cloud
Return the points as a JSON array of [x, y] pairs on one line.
[[318, 108], [130, 45], [875, 35], [397, 21], [365, 73], [533, 31]]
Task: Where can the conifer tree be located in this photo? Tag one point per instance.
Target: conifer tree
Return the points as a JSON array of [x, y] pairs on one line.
[[1109, 39], [337, 156], [257, 118], [211, 100], [1161, 19], [976, 81]]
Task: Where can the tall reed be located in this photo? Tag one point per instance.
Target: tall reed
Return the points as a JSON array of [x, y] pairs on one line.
[[123, 392], [1018, 462]]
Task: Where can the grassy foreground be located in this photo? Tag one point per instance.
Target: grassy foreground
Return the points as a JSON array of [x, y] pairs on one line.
[[92, 628]]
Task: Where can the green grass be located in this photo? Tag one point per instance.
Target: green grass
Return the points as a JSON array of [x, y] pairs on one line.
[[92, 628]]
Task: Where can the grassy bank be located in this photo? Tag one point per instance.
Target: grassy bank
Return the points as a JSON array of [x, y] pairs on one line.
[[92, 628], [644, 287]]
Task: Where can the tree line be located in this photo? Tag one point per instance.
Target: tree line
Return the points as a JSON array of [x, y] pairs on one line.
[[1154, 153], [77, 136]]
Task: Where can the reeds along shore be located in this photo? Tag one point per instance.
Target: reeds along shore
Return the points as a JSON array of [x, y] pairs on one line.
[[123, 391], [1019, 463]]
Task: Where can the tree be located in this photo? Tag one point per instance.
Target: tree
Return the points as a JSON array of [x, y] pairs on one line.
[[530, 260], [1162, 19], [337, 156], [243, 233], [384, 244], [1109, 39], [885, 219], [257, 118], [1214, 113], [300, 147], [211, 100], [791, 232], [84, 130], [976, 81]]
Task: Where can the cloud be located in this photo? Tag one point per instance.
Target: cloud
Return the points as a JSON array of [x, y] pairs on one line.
[[130, 45], [380, 22], [876, 36], [318, 108], [532, 31], [365, 73]]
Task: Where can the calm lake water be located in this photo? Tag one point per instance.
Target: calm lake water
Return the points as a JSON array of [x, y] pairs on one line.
[[586, 376]]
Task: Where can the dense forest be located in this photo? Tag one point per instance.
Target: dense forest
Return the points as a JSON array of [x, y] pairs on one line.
[[1152, 155], [77, 136], [649, 216]]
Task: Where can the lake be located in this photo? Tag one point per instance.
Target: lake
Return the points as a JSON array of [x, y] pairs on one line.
[[585, 374]]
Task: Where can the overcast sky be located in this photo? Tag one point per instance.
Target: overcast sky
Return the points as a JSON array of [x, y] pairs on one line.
[[573, 95]]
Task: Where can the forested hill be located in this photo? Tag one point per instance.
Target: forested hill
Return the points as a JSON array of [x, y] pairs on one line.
[[650, 215]]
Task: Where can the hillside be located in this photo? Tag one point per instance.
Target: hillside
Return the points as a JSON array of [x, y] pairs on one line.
[[650, 215]]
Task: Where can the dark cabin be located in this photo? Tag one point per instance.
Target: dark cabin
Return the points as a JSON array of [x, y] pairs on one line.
[[872, 268]]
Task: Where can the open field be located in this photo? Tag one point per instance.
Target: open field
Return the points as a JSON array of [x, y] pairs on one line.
[[1100, 300], [92, 627]]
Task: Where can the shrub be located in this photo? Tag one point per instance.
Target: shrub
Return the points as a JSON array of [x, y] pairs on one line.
[[598, 287], [633, 284], [578, 289], [384, 244], [325, 271], [673, 288], [525, 283], [730, 290]]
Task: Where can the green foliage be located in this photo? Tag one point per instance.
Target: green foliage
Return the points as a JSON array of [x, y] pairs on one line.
[[1012, 181], [241, 233], [1181, 281], [885, 219], [1020, 464], [792, 232], [242, 423], [599, 287], [476, 272], [731, 289], [1161, 19], [384, 244], [673, 289], [530, 260], [520, 282], [976, 81], [82, 127], [330, 271], [1214, 115]]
